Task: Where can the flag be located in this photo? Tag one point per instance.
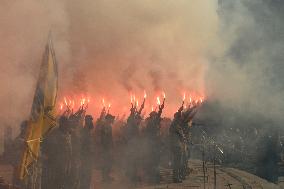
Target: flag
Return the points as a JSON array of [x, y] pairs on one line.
[[42, 117]]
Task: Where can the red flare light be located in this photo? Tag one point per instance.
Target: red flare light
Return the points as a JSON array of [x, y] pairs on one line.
[[145, 95], [65, 101], [152, 108], [131, 98], [137, 103], [164, 95], [183, 97], [103, 101], [158, 101]]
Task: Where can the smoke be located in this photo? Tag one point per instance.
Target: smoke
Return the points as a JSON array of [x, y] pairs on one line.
[[247, 78], [117, 46], [127, 77], [156, 78], [229, 51], [25, 27]]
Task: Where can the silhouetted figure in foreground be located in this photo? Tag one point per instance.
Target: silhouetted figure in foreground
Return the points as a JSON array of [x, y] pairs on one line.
[[153, 140], [187, 116], [133, 142], [177, 145], [57, 154], [87, 153], [76, 123], [107, 147]]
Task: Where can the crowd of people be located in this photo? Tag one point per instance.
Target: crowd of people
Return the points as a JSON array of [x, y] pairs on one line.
[[78, 145]]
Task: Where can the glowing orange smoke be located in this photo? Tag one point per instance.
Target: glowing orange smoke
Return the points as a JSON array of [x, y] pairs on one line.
[[72, 102]]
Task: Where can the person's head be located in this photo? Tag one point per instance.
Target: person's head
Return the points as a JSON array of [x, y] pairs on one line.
[[109, 118], [153, 114], [177, 115], [89, 122], [63, 124]]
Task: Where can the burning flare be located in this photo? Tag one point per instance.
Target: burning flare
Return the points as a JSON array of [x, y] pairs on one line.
[[158, 101], [65, 101], [103, 101], [145, 95], [164, 95], [131, 99]]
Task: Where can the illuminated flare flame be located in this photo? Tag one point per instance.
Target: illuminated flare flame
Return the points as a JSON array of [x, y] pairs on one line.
[[65, 101], [164, 95], [103, 101], [131, 98], [145, 95], [152, 108], [158, 101], [137, 103], [183, 97]]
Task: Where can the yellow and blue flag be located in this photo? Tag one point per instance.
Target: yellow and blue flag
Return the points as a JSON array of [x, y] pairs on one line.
[[42, 117]]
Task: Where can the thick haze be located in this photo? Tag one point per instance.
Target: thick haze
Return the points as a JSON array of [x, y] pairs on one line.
[[248, 78], [229, 51]]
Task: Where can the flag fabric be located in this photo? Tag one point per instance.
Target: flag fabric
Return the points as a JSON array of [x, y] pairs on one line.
[[42, 117]]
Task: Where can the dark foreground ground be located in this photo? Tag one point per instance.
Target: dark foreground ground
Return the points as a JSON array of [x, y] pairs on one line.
[[226, 178]]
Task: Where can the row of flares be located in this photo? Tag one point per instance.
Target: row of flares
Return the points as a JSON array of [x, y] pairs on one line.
[[85, 101]]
